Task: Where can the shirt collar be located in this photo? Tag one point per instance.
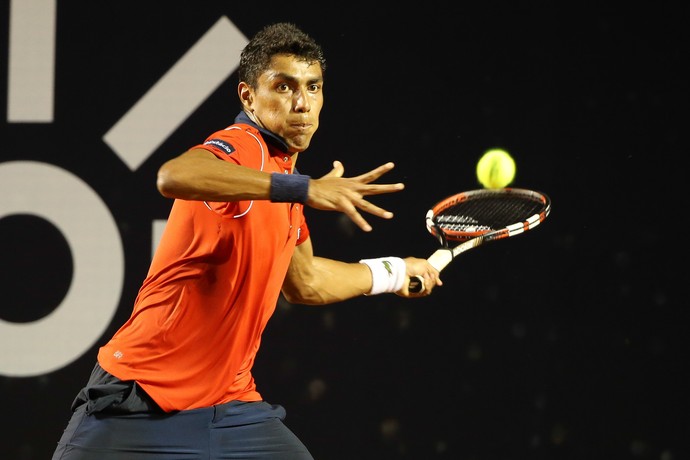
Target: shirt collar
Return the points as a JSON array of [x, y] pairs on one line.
[[268, 136]]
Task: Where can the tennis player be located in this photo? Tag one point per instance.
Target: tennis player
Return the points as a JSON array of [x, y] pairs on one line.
[[175, 381]]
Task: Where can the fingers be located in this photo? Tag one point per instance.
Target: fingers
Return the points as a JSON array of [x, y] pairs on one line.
[[359, 221], [430, 282], [347, 195], [350, 207], [380, 189], [361, 184], [371, 208], [375, 173], [423, 273], [371, 176]]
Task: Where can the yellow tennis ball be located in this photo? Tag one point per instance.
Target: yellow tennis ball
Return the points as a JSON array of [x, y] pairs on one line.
[[495, 169]]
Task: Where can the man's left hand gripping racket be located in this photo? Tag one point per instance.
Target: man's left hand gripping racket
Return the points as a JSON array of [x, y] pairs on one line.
[[479, 216]]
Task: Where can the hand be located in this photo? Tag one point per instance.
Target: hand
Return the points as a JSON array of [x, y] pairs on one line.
[[333, 192], [423, 269]]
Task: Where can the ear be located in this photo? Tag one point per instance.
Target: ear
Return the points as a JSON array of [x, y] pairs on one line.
[[244, 91]]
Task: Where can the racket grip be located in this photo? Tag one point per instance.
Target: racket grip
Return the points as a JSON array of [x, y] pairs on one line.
[[416, 284], [439, 260]]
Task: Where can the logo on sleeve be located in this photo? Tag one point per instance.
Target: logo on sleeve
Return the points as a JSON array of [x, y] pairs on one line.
[[221, 144]]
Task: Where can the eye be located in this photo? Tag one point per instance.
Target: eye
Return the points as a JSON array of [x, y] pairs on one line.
[[314, 88], [283, 88]]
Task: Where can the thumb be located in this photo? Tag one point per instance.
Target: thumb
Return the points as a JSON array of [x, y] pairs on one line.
[[337, 170]]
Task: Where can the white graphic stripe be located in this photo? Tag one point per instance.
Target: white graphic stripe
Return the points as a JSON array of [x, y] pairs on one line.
[[31, 70], [177, 94]]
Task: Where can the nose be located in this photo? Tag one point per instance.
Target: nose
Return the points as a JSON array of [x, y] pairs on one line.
[[301, 101]]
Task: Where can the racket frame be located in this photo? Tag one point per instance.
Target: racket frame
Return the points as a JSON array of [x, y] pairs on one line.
[[471, 239]]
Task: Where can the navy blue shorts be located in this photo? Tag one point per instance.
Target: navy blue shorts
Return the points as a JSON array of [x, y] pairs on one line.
[[236, 430]]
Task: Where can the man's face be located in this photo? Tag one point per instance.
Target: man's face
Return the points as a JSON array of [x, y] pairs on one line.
[[287, 100]]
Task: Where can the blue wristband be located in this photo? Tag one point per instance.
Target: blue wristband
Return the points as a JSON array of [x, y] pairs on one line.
[[289, 188]]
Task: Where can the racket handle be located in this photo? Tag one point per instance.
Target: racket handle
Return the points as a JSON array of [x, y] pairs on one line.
[[438, 260], [416, 284]]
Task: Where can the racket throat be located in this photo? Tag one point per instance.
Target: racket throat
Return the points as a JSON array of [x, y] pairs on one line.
[[440, 234]]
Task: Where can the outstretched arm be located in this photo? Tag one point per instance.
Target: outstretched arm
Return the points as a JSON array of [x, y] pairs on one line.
[[198, 175], [315, 280]]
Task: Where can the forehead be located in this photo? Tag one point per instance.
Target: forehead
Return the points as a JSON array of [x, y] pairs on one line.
[[291, 67]]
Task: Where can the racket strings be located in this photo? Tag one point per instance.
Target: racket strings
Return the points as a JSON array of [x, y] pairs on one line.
[[486, 213]]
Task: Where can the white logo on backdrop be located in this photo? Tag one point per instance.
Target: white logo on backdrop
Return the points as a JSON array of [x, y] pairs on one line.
[[67, 201]]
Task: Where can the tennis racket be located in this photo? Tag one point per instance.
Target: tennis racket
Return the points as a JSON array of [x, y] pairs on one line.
[[476, 217]]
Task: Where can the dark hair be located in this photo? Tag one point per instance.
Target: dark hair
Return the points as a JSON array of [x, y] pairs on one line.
[[279, 38]]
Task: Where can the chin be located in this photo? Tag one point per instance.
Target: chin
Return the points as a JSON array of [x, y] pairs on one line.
[[299, 145], [297, 148]]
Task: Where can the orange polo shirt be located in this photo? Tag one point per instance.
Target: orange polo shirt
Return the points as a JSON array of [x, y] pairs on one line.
[[212, 286]]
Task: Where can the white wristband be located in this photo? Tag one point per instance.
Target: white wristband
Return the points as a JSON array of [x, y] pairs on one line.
[[388, 274]]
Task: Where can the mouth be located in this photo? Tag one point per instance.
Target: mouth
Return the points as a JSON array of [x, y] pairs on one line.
[[301, 126]]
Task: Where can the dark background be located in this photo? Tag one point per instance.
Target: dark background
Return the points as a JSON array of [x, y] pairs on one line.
[[565, 343]]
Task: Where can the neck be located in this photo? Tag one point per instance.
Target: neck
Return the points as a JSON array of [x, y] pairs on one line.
[[252, 116]]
